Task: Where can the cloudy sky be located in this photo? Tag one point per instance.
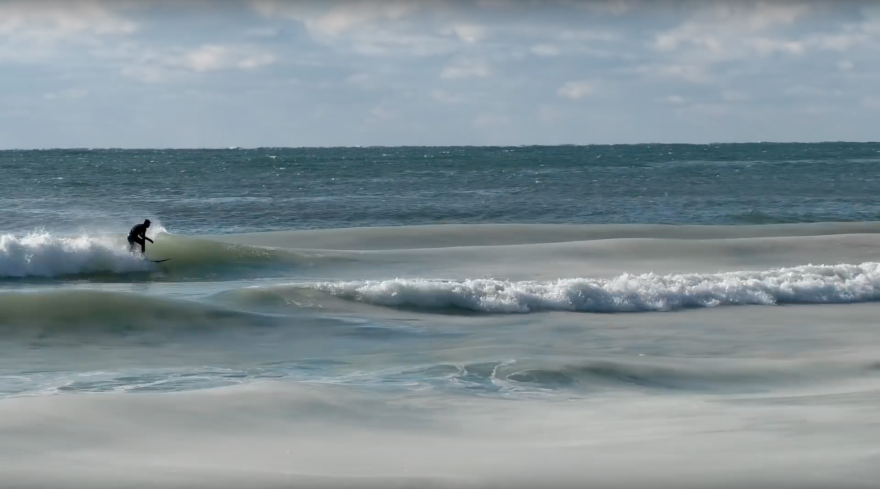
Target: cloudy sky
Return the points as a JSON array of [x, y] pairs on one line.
[[346, 73]]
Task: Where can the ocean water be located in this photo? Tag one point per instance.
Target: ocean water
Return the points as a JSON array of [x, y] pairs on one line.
[[621, 316]]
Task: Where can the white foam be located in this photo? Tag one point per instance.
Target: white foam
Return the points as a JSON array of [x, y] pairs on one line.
[[821, 284], [44, 255]]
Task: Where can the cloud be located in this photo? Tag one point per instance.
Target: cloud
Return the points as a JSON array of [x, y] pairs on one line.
[[217, 57], [56, 20], [468, 33], [36, 31], [576, 90], [545, 50], [149, 65], [722, 31], [509, 68], [691, 73], [69, 94], [371, 27], [442, 28], [466, 69], [339, 17], [346, 16]]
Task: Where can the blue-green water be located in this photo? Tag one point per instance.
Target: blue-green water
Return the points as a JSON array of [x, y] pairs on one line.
[[446, 313], [233, 191]]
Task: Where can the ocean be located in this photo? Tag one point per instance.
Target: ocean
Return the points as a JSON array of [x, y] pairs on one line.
[[613, 316]]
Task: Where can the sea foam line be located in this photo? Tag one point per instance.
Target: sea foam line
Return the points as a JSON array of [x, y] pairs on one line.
[[809, 284]]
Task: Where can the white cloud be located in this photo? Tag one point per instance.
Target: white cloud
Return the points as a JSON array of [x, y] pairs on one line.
[[38, 31], [346, 16], [721, 31], [377, 28], [690, 73], [497, 65], [69, 94], [576, 90], [545, 50], [256, 60], [469, 33], [207, 58], [466, 69], [216, 57], [149, 65], [341, 16], [56, 20]]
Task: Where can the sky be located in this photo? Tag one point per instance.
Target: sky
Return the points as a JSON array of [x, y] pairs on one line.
[[260, 73]]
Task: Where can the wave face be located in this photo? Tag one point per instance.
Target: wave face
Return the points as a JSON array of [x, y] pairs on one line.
[[626, 293], [44, 255], [47, 314]]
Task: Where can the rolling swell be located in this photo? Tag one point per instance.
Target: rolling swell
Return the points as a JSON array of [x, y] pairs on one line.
[[48, 314], [809, 284]]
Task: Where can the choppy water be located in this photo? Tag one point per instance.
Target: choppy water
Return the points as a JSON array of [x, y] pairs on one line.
[[607, 274], [233, 191]]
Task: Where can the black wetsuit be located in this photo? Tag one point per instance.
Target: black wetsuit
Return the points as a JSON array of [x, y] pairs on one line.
[[137, 236]]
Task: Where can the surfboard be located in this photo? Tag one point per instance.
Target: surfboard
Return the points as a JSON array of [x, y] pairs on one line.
[[160, 261]]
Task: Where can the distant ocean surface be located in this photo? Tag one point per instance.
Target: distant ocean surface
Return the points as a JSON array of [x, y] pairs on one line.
[[442, 317], [252, 190]]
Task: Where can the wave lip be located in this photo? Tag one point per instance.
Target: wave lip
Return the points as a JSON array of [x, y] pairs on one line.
[[809, 284], [44, 255]]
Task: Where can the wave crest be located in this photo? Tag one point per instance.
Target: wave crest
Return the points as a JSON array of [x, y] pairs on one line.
[[44, 255], [820, 284]]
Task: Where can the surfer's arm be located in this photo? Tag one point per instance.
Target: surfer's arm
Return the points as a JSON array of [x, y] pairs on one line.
[[148, 239]]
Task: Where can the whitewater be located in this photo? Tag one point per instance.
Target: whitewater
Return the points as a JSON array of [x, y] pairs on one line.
[[663, 316]]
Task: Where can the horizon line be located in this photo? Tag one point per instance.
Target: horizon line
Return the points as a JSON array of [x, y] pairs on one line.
[[407, 146]]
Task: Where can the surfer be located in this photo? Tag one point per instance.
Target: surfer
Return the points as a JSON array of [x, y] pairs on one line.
[[138, 235]]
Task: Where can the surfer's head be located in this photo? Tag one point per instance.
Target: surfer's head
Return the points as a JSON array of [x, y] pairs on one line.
[[147, 223]]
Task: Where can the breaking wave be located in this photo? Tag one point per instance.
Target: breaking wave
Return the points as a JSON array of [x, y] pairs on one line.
[[810, 284], [44, 255]]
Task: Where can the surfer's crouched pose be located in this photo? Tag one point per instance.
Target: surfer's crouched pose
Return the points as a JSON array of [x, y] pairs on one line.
[[138, 235]]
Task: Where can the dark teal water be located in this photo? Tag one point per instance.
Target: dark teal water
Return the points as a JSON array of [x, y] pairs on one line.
[[233, 191]]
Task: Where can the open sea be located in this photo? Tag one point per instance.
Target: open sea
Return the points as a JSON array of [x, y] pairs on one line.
[[570, 316]]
